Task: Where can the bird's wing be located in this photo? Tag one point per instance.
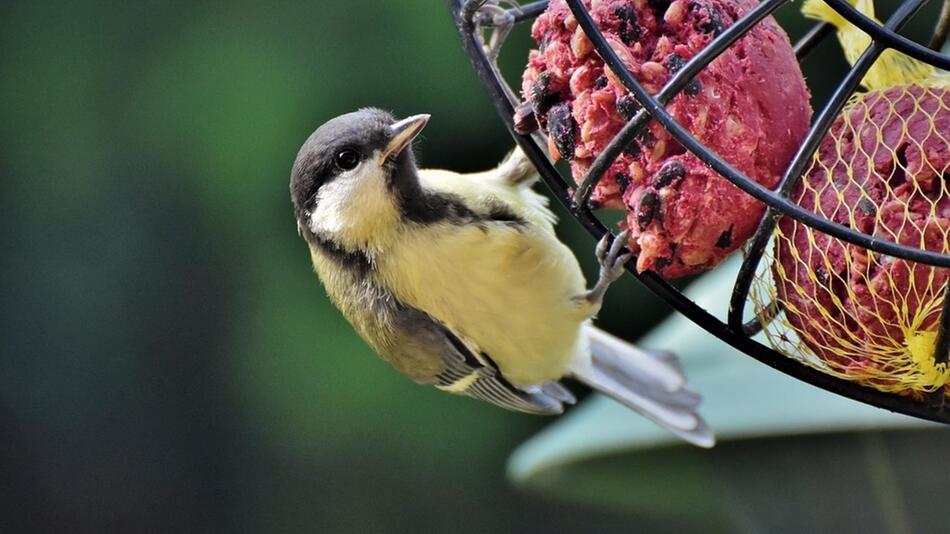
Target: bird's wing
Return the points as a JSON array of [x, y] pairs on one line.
[[418, 341], [473, 374], [498, 185]]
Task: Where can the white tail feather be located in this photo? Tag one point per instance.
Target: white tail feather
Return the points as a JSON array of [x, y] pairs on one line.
[[652, 386], [627, 358]]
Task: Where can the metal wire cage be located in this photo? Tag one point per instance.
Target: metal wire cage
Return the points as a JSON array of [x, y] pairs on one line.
[[472, 20]]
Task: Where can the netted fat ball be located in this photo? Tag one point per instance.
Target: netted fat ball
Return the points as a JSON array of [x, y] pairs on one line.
[[882, 169]]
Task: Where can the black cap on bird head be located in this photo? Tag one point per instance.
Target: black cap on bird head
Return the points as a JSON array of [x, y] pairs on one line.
[[368, 136]]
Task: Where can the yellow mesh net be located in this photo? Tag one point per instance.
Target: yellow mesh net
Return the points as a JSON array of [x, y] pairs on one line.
[[883, 169]]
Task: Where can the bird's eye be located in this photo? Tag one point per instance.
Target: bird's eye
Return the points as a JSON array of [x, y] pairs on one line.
[[347, 159]]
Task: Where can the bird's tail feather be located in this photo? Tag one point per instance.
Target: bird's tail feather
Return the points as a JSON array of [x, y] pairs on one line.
[[651, 384]]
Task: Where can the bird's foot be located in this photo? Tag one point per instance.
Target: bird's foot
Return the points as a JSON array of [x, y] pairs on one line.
[[612, 263], [501, 20]]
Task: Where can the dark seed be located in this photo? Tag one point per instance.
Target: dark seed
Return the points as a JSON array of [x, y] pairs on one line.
[[600, 82], [628, 30], [629, 35], [670, 171], [646, 137], [628, 106], [676, 62], [525, 120], [693, 88], [713, 23], [623, 180], [822, 275], [867, 207], [633, 149], [660, 6], [561, 128], [542, 96], [663, 263], [646, 212], [725, 239]]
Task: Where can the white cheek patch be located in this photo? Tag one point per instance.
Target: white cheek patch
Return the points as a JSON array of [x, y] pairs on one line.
[[352, 200], [329, 212]]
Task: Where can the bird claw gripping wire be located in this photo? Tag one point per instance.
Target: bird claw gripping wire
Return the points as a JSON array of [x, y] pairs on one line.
[[480, 15], [612, 262], [490, 14]]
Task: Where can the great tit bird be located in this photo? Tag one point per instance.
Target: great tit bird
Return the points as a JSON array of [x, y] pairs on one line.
[[458, 280]]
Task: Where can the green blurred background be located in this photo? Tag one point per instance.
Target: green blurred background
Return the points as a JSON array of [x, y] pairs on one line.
[[170, 362]]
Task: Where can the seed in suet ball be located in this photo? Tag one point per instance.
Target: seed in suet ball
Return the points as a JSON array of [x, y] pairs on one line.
[[749, 106]]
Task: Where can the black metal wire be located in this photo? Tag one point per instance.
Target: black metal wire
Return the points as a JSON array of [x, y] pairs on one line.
[[679, 80], [942, 28], [811, 39], [740, 180], [519, 15], [463, 12], [938, 399], [889, 38], [756, 247], [942, 346]]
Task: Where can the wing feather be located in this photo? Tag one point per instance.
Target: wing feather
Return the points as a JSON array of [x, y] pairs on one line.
[[473, 374]]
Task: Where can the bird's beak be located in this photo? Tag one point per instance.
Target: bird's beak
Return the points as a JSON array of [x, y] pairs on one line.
[[403, 133]]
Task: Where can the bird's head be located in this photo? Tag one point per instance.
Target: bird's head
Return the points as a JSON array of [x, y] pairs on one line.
[[352, 174]]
